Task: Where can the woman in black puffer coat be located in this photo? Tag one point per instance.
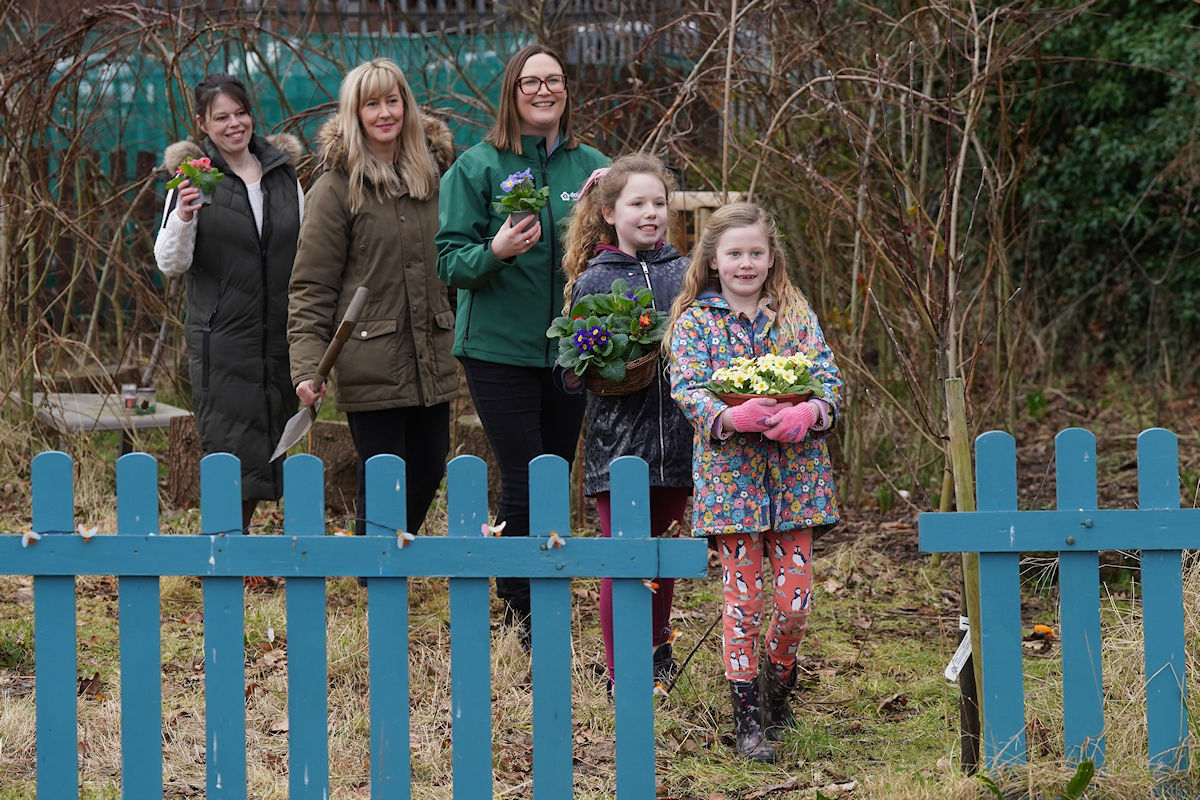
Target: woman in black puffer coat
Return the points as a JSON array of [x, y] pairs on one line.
[[235, 252], [616, 232]]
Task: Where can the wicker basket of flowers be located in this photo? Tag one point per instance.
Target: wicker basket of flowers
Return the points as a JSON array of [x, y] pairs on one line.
[[611, 340]]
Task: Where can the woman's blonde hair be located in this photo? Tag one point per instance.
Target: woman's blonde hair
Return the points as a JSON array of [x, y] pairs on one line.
[[785, 299], [587, 228], [505, 134], [412, 165]]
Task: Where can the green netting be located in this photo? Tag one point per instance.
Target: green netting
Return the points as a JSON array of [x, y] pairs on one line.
[[137, 105]]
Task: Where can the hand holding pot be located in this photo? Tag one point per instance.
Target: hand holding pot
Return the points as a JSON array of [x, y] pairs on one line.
[[189, 201], [754, 415], [512, 241], [792, 424]]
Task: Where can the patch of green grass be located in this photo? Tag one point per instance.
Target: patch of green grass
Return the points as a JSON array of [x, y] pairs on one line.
[[16, 644], [701, 597], [1036, 404]]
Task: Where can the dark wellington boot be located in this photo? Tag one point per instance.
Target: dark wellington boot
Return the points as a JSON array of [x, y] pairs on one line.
[[663, 664], [751, 741], [776, 700]]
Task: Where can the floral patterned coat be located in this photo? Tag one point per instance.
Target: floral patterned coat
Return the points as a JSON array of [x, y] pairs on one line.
[[749, 483]]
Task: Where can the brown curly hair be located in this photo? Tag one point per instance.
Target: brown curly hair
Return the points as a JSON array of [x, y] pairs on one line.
[[587, 228]]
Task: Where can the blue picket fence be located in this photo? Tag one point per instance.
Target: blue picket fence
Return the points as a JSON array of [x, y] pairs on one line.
[[1077, 531], [305, 557]]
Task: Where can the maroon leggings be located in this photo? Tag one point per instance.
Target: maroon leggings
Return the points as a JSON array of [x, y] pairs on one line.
[[667, 504]]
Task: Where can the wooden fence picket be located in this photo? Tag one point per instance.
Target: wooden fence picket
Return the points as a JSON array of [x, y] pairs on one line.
[[1078, 530], [139, 615], [54, 664], [224, 639], [305, 557], [387, 632], [470, 635], [1162, 601], [307, 700], [632, 652], [550, 664]]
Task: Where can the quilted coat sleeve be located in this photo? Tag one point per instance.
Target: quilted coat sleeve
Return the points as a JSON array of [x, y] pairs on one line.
[[691, 369]]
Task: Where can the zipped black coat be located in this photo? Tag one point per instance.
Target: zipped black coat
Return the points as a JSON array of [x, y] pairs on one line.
[[648, 423], [236, 320]]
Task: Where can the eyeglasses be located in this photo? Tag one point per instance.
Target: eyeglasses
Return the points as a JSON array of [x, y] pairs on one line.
[[532, 85]]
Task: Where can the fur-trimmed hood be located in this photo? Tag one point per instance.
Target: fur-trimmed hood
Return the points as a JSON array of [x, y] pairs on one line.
[[179, 152], [332, 149]]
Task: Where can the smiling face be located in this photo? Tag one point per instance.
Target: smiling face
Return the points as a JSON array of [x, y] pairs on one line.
[[540, 113], [640, 214], [742, 261], [229, 124], [381, 119]]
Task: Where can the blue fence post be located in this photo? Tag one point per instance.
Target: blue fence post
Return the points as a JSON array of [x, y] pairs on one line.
[[222, 556], [308, 698], [633, 692], [1079, 599], [54, 664], [549, 512], [1162, 609], [470, 638], [224, 631], [1002, 692], [140, 631], [387, 633]]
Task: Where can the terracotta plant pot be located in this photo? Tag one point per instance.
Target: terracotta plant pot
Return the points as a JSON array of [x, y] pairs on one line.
[[737, 399]]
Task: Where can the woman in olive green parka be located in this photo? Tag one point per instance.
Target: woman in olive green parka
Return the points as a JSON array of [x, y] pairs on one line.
[[370, 220]]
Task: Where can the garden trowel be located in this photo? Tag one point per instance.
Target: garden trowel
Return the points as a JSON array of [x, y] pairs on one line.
[[302, 420]]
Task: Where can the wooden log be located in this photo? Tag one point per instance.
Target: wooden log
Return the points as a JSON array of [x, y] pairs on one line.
[[332, 443], [183, 463]]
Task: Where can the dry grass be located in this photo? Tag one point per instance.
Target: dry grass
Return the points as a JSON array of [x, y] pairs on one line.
[[876, 719]]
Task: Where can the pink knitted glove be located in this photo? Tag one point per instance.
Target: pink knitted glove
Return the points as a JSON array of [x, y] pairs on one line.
[[792, 424], [753, 416]]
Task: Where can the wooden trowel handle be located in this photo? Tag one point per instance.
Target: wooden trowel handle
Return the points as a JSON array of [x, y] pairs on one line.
[[339, 338]]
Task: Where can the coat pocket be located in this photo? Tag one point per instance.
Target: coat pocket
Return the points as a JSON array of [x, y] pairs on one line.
[[371, 328], [369, 364]]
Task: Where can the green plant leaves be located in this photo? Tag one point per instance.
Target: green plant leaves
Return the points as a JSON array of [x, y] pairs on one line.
[[605, 331], [203, 178], [1083, 776]]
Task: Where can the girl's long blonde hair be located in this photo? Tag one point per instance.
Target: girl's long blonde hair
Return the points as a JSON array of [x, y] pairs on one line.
[[412, 166], [587, 229], [789, 304]]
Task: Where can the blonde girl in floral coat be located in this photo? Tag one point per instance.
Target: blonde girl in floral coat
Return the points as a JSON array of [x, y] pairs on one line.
[[761, 470]]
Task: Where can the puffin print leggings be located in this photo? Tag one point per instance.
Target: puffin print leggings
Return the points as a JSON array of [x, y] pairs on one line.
[[788, 580]]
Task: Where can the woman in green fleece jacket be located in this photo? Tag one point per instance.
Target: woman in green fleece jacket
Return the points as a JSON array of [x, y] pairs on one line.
[[510, 284]]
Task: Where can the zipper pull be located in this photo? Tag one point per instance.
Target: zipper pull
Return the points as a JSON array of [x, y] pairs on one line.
[[646, 272]]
